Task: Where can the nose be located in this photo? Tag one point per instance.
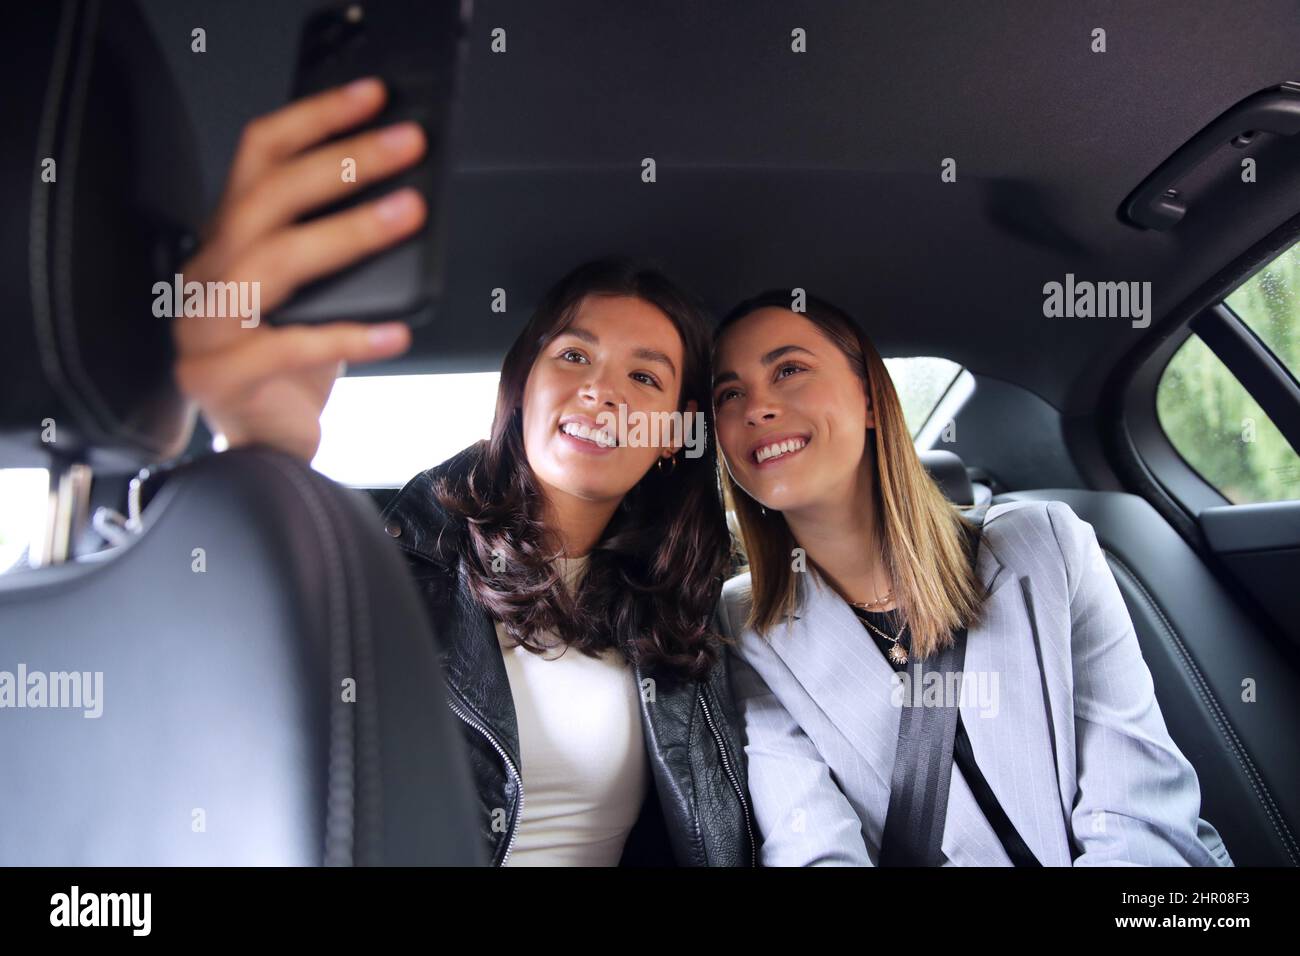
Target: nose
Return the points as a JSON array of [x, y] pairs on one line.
[[601, 388], [760, 409]]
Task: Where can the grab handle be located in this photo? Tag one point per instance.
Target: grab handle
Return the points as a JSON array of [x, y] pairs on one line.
[[1156, 204]]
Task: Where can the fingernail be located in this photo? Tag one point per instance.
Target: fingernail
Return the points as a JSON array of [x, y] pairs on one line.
[[400, 138], [400, 205], [364, 89], [387, 336]]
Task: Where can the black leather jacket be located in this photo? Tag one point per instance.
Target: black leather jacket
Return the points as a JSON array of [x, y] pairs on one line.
[[698, 811]]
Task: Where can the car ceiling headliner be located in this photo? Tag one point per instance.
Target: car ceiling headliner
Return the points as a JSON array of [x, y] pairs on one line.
[[821, 169]]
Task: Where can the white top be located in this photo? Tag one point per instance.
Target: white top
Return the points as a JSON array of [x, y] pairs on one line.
[[584, 762]]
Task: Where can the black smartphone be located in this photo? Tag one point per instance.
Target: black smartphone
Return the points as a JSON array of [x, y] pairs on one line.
[[417, 47]]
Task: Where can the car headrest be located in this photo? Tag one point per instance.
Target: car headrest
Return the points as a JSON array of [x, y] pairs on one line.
[[100, 186], [949, 473]]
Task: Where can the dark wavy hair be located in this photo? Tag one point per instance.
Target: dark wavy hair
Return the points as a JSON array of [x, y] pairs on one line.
[[654, 577]]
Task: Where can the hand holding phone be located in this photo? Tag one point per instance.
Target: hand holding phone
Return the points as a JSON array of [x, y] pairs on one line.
[[259, 384]]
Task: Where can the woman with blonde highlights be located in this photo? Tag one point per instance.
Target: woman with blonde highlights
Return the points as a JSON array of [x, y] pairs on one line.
[[861, 576]]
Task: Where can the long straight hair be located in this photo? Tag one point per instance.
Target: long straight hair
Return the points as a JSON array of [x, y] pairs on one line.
[[924, 540], [654, 577]]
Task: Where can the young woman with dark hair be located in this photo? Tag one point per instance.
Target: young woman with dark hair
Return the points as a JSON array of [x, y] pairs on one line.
[[571, 574]]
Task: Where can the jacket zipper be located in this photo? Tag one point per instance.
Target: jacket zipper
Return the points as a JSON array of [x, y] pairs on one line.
[[731, 775], [510, 765]]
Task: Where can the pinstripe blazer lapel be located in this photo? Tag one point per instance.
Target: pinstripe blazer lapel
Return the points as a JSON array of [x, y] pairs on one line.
[[841, 669], [1003, 710]]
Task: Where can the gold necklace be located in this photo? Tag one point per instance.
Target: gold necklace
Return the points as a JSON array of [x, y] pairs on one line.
[[897, 653], [877, 605]]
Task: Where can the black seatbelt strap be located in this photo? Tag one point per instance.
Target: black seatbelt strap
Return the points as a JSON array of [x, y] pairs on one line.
[[930, 740], [918, 790]]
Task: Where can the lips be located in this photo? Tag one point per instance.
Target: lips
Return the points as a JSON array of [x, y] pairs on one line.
[[775, 448]]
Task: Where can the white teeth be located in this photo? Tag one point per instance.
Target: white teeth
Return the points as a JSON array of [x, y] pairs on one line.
[[594, 435], [777, 449]]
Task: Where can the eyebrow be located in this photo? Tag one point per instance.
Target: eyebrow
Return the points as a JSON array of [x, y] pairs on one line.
[[642, 353], [767, 359]]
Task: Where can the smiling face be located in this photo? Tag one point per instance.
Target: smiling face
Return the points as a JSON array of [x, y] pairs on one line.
[[618, 350], [792, 414]]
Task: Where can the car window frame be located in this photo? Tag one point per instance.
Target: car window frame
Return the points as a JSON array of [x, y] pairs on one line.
[[1252, 364]]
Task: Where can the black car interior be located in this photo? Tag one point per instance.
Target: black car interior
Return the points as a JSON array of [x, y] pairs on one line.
[[772, 169]]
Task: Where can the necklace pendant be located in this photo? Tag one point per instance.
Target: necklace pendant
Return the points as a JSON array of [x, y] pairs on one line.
[[898, 654]]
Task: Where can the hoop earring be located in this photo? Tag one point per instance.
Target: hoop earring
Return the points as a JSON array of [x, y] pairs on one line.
[[763, 510], [671, 468]]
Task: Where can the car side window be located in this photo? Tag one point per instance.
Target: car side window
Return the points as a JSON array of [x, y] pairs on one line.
[[1210, 417], [921, 381], [24, 495], [1269, 305]]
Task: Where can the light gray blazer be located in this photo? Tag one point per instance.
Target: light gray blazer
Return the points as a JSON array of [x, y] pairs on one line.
[[1058, 704]]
